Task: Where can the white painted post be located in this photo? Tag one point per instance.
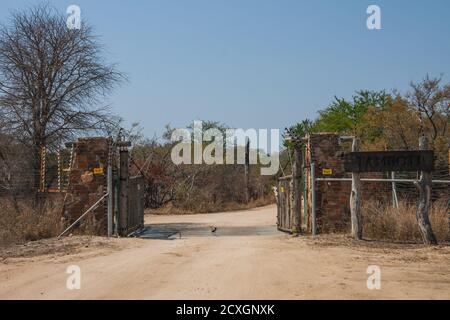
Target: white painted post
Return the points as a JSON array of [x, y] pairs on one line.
[[394, 191], [355, 199], [424, 186]]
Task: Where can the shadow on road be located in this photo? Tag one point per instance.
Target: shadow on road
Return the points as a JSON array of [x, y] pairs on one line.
[[171, 231]]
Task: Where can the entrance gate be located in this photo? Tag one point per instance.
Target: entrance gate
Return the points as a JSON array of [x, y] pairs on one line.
[[325, 186], [284, 204], [101, 198]]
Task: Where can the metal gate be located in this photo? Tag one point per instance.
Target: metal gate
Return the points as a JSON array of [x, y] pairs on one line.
[[284, 204], [135, 219]]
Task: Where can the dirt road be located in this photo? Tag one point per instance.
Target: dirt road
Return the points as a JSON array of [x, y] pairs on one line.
[[244, 258]]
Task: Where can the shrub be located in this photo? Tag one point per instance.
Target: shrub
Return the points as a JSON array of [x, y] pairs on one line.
[[24, 222], [385, 222]]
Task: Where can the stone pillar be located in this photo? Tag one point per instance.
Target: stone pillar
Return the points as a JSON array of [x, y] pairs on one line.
[[332, 198], [87, 184]]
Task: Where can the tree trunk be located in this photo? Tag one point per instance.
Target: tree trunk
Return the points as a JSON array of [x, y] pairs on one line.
[[38, 141], [355, 199], [423, 208]]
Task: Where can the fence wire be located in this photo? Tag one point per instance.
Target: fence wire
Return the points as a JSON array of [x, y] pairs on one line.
[[18, 175]]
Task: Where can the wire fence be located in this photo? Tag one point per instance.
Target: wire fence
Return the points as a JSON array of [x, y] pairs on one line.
[[393, 187], [21, 174]]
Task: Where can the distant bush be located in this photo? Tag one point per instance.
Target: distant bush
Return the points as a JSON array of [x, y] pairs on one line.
[[210, 207]]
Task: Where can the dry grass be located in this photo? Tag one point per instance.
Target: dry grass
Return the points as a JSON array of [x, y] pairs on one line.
[[384, 222], [22, 223]]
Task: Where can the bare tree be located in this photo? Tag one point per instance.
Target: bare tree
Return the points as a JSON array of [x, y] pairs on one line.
[[52, 80], [432, 102]]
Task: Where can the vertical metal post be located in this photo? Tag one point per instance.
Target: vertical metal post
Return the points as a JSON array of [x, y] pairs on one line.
[[313, 200], [247, 170], [116, 201], [123, 191], [110, 200]]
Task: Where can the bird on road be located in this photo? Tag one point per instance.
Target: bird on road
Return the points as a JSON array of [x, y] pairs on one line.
[[213, 229]]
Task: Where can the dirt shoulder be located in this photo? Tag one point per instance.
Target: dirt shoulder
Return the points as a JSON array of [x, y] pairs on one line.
[[53, 246]]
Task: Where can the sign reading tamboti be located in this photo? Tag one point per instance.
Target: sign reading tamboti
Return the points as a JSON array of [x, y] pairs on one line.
[[384, 161]]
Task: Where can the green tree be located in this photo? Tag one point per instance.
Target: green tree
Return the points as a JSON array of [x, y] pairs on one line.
[[297, 131], [344, 116]]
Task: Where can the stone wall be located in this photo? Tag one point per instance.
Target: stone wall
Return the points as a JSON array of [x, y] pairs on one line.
[[87, 184]]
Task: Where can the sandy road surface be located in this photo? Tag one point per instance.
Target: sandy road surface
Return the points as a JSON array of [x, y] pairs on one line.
[[236, 264]]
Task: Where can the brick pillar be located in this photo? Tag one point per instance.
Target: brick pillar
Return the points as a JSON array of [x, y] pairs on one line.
[[332, 198]]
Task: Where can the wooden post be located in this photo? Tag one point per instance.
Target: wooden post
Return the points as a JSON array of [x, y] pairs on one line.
[[123, 191], [297, 189], [43, 168], [247, 171], [423, 208], [59, 170], [355, 198]]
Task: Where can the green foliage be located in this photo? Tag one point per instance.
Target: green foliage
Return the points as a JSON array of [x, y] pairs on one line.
[[388, 121], [342, 116], [297, 132], [345, 117]]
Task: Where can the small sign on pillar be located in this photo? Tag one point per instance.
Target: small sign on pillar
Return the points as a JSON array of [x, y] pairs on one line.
[[98, 170]]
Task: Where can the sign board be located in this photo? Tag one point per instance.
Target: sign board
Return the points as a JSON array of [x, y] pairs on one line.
[[327, 172], [98, 170], [385, 161]]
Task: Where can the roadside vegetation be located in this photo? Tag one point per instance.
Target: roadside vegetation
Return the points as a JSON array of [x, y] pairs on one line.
[[22, 222], [387, 222]]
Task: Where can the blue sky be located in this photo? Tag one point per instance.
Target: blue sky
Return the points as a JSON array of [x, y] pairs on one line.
[[258, 64]]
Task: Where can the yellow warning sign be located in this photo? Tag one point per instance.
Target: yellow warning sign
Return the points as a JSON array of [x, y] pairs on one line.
[[98, 170], [327, 172], [282, 189]]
